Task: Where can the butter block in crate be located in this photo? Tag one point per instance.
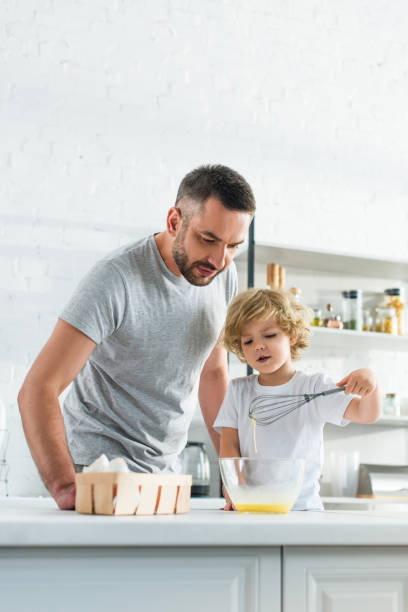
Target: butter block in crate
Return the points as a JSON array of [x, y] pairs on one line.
[[119, 493]]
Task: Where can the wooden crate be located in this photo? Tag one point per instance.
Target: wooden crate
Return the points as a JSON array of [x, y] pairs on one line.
[[119, 493]]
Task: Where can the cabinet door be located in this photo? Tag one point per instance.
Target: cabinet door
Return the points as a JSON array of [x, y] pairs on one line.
[[345, 579], [152, 580]]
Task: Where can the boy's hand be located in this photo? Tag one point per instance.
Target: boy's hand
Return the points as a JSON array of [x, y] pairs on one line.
[[360, 382], [229, 505]]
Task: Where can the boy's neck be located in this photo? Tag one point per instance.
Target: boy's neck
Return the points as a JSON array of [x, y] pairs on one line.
[[276, 378]]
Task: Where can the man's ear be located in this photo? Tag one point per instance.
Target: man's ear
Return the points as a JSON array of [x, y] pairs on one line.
[[174, 221]]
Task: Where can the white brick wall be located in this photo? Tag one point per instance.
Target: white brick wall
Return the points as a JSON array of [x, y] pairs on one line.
[[106, 104]]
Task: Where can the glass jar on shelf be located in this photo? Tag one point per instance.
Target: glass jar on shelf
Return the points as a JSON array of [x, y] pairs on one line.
[[296, 292], [345, 305], [317, 320], [394, 298], [379, 319], [390, 321], [356, 311], [404, 406], [368, 321], [391, 406], [331, 319]]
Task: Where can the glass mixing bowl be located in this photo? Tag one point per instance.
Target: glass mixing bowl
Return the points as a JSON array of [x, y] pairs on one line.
[[262, 485]]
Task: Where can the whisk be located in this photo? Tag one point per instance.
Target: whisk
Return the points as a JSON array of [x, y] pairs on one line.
[[267, 409]]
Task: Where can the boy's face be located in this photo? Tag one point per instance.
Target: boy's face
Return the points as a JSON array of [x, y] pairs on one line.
[[266, 347]]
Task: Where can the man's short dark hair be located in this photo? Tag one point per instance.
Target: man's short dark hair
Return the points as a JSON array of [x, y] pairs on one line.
[[221, 182]]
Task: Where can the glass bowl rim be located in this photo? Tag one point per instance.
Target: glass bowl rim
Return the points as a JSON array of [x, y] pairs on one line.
[[274, 459]]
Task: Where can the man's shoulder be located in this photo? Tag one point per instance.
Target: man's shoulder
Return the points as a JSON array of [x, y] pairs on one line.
[[129, 260], [138, 248], [231, 272]]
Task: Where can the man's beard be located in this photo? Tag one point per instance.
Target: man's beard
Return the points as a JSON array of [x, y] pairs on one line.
[[187, 269]]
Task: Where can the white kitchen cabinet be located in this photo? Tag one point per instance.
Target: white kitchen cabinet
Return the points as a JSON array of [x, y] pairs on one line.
[[205, 560], [349, 579], [152, 579]]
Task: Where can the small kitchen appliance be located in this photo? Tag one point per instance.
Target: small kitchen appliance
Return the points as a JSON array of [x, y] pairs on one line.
[[195, 461], [383, 481]]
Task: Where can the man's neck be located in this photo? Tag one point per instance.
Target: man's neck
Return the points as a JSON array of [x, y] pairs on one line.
[[164, 244]]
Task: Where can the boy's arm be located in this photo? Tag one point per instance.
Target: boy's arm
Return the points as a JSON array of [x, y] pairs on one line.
[[229, 446], [367, 408]]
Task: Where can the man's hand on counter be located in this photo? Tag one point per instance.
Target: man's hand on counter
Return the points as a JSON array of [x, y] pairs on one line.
[[65, 497]]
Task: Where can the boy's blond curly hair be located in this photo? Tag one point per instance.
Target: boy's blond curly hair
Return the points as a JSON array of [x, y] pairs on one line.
[[262, 304]]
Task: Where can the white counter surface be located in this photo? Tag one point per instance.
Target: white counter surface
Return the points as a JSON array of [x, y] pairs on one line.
[[38, 522]]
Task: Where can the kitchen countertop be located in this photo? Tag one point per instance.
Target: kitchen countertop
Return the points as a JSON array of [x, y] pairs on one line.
[[26, 521]]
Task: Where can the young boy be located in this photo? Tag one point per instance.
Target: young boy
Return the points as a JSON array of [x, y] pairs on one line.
[[268, 329]]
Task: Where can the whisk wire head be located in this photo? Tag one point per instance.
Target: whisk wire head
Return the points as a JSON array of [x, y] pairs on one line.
[[268, 409]]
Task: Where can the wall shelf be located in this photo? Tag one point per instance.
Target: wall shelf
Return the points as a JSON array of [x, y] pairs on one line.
[[324, 337], [326, 261], [393, 421]]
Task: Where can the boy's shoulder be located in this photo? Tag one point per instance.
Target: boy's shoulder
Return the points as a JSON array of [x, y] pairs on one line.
[[243, 381], [313, 382], [301, 383]]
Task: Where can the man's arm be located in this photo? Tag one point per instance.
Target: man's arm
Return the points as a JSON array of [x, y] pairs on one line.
[[59, 362], [213, 387]]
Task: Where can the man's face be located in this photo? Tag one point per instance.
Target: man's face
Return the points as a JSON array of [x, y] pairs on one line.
[[206, 245]]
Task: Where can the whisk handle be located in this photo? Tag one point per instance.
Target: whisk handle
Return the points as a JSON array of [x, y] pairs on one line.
[[335, 390]]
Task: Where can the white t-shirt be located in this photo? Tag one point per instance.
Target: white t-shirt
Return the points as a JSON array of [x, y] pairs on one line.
[[298, 435]]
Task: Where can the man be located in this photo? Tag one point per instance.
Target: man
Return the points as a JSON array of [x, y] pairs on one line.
[[139, 340]]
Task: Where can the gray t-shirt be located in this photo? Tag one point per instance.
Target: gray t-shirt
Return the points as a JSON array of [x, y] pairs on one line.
[[136, 395]]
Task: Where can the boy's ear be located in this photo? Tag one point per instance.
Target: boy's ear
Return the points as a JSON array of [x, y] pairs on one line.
[[293, 341]]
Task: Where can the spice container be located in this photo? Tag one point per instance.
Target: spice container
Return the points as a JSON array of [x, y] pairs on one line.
[[356, 320], [391, 406], [272, 275], [282, 277], [379, 319], [394, 298], [317, 320], [297, 293], [332, 320], [352, 309], [390, 321], [275, 276], [356, 311], [345, 308], [368, 321], [404, 406]]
